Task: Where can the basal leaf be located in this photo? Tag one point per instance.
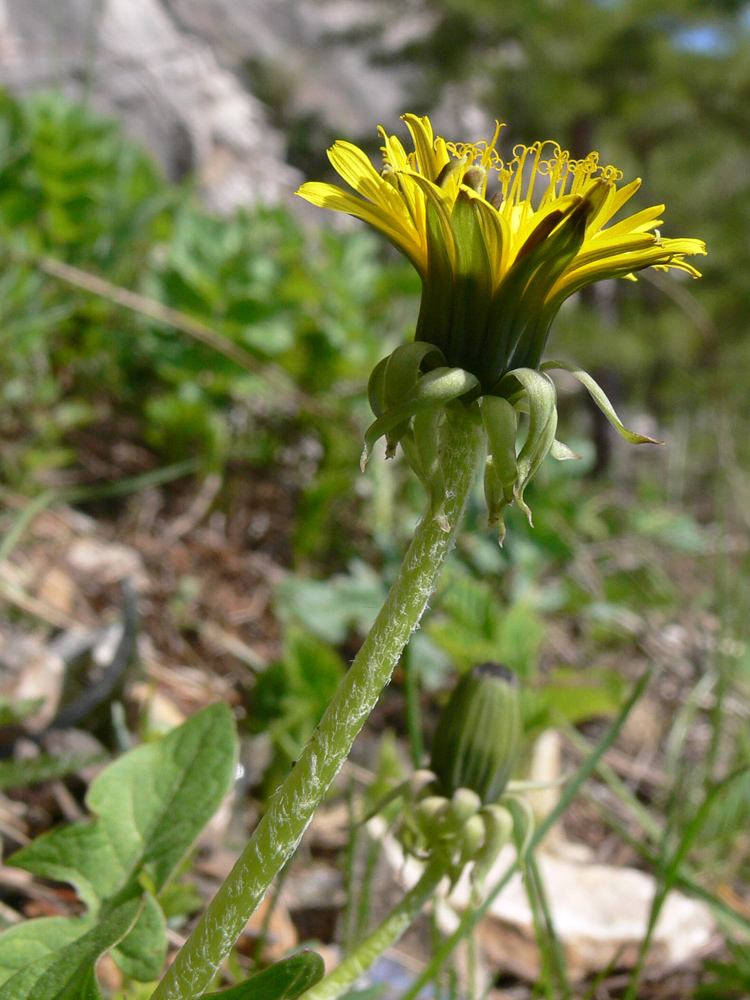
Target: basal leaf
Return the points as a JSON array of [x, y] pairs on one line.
[[155, 800], [150, 805], [25, 944], [141, 954], [285, 980], [68, 974]]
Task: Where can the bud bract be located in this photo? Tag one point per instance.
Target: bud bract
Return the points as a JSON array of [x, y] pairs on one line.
[[477, 740]]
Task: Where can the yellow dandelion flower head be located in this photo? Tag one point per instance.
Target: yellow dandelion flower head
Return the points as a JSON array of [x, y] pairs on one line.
[[499, 244]]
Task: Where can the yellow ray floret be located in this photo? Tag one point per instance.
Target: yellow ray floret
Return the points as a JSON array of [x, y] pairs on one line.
[[534, 183]]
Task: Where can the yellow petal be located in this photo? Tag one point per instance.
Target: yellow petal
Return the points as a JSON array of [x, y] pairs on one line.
[[354, 166], [612, 246], [393, 152], [622, 195], [641, 222], [540, 221], [424, 144], [331, 197], [667, 254]]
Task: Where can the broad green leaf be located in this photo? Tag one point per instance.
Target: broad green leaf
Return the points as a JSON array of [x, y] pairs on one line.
[[285, 980], [676, 529], [574, 695], [473, 629], [150, 805], [330, 608], [68, 973], [157, 799], [25, 944], [20, 773], [142, 953]]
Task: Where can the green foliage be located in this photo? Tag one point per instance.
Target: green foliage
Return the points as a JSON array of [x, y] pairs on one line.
[[184, 423], [285, 980], [18, 710], [334, 607], [44, 767], [70, 181], [729, 980], [571, 695], [472, 627], [73, 187], [324, 308], [149, 807], [65, 968]]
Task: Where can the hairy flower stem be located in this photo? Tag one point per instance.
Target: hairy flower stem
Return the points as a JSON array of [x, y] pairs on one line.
[[385, 935], [292, 807]]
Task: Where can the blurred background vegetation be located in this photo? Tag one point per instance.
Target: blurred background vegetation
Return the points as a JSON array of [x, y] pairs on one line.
[[257, 377]]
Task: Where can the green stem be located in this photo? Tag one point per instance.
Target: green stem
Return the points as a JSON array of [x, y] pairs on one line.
[[372, 856], [385, 935], [292, 807]]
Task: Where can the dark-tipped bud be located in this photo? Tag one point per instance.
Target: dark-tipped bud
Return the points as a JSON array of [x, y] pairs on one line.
[[478, 736], [475, 178]]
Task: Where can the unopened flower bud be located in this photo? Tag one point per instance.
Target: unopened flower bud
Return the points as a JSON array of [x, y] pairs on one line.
[[475, 178], [478, 735], [430, 815], [464, 803]]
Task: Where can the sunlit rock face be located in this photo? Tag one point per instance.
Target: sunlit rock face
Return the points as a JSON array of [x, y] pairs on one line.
[[340, 67], [136, 60], [188, 77], [336, 60]]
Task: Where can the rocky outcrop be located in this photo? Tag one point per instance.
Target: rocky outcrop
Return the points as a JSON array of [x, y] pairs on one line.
[[133, 59], [181, 75], [334, 59]]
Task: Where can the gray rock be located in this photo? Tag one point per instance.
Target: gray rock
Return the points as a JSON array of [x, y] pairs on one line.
[[177, 72], [332, 58], [132, 58]]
